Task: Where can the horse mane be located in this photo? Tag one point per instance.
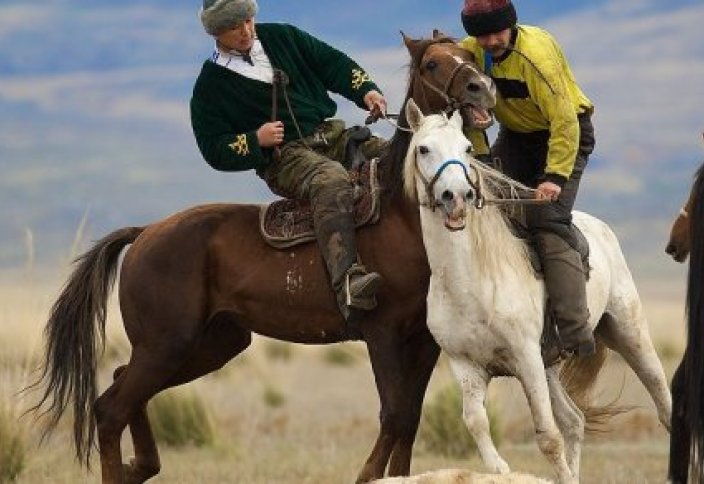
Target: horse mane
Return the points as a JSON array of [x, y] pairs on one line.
[[489, 232], [392, 162], [694, 360], [489, 228]]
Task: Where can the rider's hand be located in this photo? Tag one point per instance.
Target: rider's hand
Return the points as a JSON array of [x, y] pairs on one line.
[[376, 103], [270, 134], [548, 191]]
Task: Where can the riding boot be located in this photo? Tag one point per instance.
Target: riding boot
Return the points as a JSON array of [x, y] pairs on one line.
[[565, 282], [355, 288]]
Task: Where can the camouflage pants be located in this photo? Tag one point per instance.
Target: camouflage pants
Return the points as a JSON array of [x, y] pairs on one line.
[[316, 172], [303, 173]]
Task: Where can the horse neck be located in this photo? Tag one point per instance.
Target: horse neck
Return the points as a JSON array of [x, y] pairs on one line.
[[485, 253]]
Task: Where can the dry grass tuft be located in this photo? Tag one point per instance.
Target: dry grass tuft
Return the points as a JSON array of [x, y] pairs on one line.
[[339, 356], [13, 445], [273, 398], [442, 429], [181, 418], [278, 350]]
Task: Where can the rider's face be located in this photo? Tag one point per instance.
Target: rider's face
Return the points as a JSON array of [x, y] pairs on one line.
[[239, 37], [495, 44]]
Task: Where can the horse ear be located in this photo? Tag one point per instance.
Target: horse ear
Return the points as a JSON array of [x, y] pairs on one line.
[[412, 45], [414, 115], [456, 119]]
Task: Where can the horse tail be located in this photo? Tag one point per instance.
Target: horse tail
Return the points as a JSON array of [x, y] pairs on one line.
[[75, 333], [693, 359], [578, 376]]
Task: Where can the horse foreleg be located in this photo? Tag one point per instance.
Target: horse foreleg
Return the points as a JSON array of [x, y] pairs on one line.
[[531, 373], [420, 354], [629, 336], [569, 417], [387, 365], [680, 439], [473, 381]]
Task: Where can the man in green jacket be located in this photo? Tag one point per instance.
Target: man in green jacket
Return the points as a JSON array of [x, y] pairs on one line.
[[299, 153], [544, 141]]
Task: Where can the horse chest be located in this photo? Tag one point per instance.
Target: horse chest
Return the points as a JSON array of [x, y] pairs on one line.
[[466, 336]]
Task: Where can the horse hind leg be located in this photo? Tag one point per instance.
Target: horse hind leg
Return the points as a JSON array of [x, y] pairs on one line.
[[135, 384], [222, 341], [146, 462], [626, 332], [473, 382], [569, 418], [531, 373]]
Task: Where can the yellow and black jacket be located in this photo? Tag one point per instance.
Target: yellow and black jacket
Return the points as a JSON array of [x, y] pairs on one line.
[[536, 92]]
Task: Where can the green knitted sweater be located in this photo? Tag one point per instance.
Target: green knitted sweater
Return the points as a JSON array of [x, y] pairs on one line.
[[228, 108]]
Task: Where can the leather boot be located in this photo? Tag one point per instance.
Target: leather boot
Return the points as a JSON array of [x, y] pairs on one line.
[[355, 288], [565, 282]]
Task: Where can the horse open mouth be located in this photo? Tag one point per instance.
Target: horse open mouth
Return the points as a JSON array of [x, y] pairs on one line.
[[476, 117], [455, 214]]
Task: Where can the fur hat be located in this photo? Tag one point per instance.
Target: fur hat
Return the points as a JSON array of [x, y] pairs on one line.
[[481, 17], [219, 15]]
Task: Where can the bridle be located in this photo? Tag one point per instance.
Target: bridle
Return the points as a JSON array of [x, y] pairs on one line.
[[429, 185], [451, 103]]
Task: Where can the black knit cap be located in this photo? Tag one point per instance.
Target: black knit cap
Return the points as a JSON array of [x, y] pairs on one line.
[[482, 17]]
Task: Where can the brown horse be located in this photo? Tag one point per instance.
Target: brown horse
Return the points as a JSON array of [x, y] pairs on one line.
[[687, 437], [195, 285], [678, 246]]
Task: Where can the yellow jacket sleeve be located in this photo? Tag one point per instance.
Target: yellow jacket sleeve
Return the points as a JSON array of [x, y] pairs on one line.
[[551, 96]]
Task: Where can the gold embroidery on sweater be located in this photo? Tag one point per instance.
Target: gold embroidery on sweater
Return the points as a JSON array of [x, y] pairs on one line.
[[240, 145], [358, 78]]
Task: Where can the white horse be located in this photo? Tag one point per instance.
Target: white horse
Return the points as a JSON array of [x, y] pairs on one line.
[[486, 303]]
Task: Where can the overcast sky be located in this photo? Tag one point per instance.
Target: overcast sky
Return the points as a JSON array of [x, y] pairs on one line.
[[94, 104]]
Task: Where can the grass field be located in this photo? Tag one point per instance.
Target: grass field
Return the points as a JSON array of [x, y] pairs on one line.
[[283, 413]]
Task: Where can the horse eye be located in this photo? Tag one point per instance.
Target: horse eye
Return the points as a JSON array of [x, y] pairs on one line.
[[469, 149], [473, 87], [430, 65], [423, 150]]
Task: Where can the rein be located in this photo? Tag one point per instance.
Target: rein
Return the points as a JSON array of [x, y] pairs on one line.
[[479, 200], [280, 77]]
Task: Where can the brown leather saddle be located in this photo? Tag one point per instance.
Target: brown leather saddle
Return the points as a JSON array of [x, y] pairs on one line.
[[287, 222]]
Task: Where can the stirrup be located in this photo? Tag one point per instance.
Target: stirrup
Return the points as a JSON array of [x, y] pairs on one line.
[[364, 287]]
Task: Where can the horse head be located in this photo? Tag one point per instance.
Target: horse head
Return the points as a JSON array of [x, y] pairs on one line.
[[437, 167], [678, 245], [446, 77]]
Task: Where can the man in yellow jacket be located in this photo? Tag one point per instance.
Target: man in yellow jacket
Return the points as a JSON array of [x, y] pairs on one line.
[[544, 140]]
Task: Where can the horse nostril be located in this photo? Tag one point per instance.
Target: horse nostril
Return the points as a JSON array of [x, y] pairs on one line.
[[670, 249], [472, 87], [447, 196]]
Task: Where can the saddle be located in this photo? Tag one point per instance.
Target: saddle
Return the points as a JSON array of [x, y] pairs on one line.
[[288, 222]]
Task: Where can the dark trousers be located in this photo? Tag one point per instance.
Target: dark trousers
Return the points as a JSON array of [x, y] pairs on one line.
[[523, 158]]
